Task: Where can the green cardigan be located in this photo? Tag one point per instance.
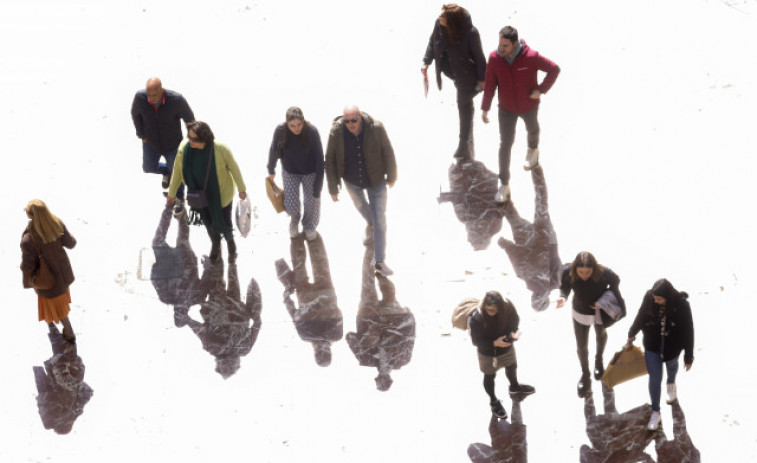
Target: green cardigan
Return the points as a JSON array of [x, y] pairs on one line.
[[226, 168]]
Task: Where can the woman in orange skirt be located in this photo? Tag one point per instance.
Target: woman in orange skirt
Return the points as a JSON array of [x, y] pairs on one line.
[[44, 237]]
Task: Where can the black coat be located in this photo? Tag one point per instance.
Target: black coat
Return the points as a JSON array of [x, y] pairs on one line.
[[161, 128], [587, 292], [679, 326], [483, 337], [465, 62]]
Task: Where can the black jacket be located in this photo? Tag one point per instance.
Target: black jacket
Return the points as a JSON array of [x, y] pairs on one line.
[[483, 338], [161, 128], [587, 292], [679, 327], [465, 62]]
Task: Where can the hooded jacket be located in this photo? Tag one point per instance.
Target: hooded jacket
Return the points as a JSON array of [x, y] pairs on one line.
[[678, 329], [380, 163], [465, 62], [515, 82]]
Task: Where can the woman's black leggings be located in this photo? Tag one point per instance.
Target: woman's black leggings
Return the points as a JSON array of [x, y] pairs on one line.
[[512, 376]]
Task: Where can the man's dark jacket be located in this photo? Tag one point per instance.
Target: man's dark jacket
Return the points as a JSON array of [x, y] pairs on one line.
[[161, 128]]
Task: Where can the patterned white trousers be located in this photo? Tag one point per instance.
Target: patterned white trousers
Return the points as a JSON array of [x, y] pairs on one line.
[[292, 183]]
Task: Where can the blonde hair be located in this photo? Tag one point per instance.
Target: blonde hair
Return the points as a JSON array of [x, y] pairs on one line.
[[43, 222]]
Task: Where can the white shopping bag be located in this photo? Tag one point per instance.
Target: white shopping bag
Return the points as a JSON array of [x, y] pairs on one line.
[[244, 216]]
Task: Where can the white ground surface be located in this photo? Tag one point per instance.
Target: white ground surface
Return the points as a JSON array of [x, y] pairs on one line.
[[648, 150]]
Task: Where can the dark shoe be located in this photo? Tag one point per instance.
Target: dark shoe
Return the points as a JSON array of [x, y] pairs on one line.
[[178, 208], [166, 181], [584, 386], [215, 252], [599, 371], [231, 247], [70, 339], [383, 269], [523, 389], [498, 410]]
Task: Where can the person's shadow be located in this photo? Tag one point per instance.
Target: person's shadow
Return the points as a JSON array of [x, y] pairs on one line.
[[62, 392], [681, 448], [614, 437], [385, 335], [317, 317], [508, 440], [472, 191], [226, 331], [533, 250], [174, 274]]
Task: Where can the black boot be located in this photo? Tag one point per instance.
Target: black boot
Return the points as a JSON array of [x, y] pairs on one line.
[[231, 246], [215, 251], [599, 369], [584, 386]]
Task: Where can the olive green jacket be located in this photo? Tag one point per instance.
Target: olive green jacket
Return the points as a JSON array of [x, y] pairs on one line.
[[377, 149]]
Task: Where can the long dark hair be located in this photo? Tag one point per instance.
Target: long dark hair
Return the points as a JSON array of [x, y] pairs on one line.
[[303, 138], [586, 259], [456, 18], [497, 323]]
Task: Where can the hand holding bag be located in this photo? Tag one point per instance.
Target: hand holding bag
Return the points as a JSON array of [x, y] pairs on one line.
[[275, 194], [625, 365], [244, 216]]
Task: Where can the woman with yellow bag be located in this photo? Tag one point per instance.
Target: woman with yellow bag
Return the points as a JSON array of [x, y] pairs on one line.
[[665, 320]]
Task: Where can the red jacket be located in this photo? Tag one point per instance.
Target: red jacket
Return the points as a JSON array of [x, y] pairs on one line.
[[516, 82]]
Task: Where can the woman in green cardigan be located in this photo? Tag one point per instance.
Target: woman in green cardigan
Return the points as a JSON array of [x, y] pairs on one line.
[[191, 168]]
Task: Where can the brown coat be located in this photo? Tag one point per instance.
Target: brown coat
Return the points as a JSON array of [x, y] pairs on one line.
[[54, 255], [379, 154]]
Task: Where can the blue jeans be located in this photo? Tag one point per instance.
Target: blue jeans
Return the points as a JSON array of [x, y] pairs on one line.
[[654, 368], [151, 164], [373, 211]]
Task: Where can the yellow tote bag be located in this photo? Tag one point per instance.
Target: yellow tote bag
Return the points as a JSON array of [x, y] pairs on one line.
[[625, 365]]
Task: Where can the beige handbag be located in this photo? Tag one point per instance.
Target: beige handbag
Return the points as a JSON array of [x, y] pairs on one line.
[[625, 365], [275, 194]]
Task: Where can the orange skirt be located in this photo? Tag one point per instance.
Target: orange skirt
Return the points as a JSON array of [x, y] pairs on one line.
[[52, 310]]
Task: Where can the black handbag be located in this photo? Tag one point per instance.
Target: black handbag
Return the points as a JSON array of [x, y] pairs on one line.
[[198, 197]]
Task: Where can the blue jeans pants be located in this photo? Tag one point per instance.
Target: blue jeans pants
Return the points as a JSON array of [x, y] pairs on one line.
[[373, 210], [654, 368], [151, 164]]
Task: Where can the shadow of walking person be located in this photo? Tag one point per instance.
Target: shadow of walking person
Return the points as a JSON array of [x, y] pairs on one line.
[[508, 440], [533, 251], [317, 318], [62, 392], [385, 335], [225, 331], [681, 449], [473, 188], [174, 274], [617, 438]]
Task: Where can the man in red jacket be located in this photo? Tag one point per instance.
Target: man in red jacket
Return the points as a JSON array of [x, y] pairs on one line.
[[511, 70]]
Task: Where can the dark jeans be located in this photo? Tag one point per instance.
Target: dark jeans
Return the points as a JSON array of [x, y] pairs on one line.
[[507, 121], [215, 237], [465, 111], [151, 164], [582, 345]]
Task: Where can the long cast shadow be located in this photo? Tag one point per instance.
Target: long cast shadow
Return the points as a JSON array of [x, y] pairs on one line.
[[385, 335], [472, 191], [229, 326], [681, 449], [509, 443], [316, 317], [533, 250], [62, 392]]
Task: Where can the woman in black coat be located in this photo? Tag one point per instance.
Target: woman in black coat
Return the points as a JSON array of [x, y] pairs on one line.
[[493, 330], [665, 320], [589, 281], [456, 46]]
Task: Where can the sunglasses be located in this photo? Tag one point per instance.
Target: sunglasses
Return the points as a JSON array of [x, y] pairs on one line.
[[193, 139], [353, 120]]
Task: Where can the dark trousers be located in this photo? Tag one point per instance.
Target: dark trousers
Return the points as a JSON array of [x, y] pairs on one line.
[[215, 237], [582, 345], [465, 111], [507, 121]]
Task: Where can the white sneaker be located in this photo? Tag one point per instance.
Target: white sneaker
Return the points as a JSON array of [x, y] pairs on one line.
[[294, 229], [532, 158], [654, 421], [502, 194], [311, 235], [672, 393]]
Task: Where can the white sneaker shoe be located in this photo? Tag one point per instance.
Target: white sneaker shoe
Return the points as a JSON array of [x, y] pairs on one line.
[[532, 158], [311, 235], [654, 421], [672, 393], [502, 194], [294, 230]]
